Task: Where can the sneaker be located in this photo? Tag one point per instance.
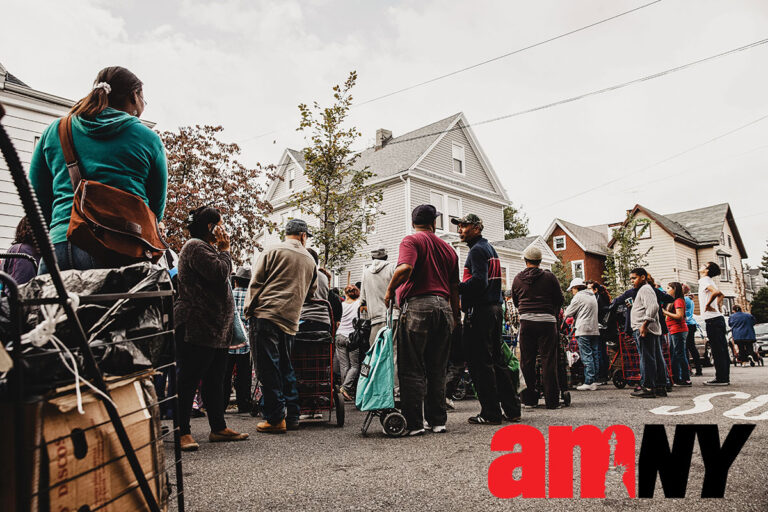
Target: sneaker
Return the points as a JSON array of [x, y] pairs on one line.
[[512, 419], [685, 384], [603, 383], [715, 382], [449, 403], [317, 416], [305, 416], [268, 428], [437, 429], [587, 387], [662, 392], [638, 388], [526, 406], [414, 433], [698, 373], [187, 443], [346, 395], [643, 393], [291, 424], [226, 435], [479, 420], [197, 413]]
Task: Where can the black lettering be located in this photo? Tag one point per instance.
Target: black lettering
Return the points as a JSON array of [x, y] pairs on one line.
[[717, 460], [672, 466]]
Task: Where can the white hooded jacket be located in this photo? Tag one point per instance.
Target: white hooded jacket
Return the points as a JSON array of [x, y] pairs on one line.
[[376, 278]]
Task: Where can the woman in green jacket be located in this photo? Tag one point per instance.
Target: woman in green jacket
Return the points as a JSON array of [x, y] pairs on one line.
[[113, 148]]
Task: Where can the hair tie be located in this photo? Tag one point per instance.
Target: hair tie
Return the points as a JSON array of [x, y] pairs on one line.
[[103, 85]]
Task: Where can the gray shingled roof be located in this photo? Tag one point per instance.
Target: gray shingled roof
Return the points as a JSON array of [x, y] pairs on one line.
[[517, 244], [401, 152], [298, 155], [13, 80], [593, 240], [704, 224], [674, 227]]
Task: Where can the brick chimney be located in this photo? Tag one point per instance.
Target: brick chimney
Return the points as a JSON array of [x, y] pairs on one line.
[[382, 137]]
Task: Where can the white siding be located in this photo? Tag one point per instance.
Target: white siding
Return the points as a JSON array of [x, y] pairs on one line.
[[710, 254], [23, 126], [440, 160], [661, 258], [299, 182], [684, 275]]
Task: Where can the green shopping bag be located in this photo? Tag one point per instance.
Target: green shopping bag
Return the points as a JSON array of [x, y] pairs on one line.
[[509, 357], [375, 388]]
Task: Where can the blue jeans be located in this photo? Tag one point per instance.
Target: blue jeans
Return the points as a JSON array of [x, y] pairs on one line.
[[68, 257], [680, 368], [273, 364], [589, 349], [648, 346]]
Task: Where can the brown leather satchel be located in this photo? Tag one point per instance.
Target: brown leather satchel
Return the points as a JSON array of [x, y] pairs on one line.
[[110, 224]]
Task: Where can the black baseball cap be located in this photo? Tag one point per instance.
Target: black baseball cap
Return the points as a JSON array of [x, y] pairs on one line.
[[424, 214]]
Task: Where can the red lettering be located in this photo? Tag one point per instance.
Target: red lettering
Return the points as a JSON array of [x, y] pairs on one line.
[[595, 458], [530, 459]]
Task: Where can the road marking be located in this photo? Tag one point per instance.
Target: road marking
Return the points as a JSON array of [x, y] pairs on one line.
[[740, 412], [701, 404]]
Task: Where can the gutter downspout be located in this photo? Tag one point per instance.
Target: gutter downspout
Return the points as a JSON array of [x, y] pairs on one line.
[[407, 182]]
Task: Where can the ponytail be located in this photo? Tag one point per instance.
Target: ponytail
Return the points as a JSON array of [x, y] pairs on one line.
[[113, 87]]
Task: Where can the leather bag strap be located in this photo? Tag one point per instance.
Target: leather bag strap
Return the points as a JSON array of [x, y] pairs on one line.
[[68, 148]]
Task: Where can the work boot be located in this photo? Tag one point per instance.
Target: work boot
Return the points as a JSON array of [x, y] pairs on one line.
[[187, 443], [226, 435], [269, 428]]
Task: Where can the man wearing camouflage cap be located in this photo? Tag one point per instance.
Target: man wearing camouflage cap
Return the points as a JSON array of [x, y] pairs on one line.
[[480, 290]]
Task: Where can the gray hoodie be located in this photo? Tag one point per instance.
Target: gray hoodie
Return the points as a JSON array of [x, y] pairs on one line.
[[376, 278], [583, 308]]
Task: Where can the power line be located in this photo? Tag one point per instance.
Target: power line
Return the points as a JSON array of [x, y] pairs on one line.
[[654, 164], [504, 56], [592, 93], [473, 66]]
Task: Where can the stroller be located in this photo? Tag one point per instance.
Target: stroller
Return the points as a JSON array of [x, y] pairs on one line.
[[376, 387]]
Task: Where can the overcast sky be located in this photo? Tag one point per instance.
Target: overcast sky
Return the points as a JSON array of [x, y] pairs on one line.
[[247, 64]]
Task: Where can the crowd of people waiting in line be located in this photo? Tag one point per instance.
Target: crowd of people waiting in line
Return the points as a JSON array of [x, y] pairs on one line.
[[226, 322]]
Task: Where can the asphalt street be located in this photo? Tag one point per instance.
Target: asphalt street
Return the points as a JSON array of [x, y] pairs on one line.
[[321, 467]]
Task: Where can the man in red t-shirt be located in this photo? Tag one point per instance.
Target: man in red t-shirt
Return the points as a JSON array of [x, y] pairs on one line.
[[426, 282]]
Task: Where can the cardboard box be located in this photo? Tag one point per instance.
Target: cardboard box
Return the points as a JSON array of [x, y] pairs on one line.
[[81, 462]]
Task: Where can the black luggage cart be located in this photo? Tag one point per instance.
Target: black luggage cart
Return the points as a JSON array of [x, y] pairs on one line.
[[21, 393]]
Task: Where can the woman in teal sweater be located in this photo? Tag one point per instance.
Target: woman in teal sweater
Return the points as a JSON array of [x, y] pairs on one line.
[[113, 148]]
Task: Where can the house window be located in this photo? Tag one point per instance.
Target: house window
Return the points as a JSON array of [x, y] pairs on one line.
[[725, 271], [558, 243], [722, 239], [459, 162], [730, 242], [436, 200], [453, 209], [291, 177], [449, 208], [690, 264], [643, 230], [577, 269], [728, 303]]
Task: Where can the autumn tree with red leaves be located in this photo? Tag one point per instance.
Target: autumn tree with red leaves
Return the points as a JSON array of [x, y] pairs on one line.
[[203, 170]]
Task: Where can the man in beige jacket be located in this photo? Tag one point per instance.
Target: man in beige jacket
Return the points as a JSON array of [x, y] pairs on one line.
[[285, 274]]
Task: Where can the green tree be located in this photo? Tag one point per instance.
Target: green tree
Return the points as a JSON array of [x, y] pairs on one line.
[[338, 195], [515, 222], [760, 306], [764, 264], [563, 275], [625, 255], [203, 170]]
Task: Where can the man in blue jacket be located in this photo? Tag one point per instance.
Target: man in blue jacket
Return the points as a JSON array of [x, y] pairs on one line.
[[743, 331], [480, 290]]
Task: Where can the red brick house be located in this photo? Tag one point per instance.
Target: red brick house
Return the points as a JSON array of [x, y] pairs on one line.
[[582, 249]]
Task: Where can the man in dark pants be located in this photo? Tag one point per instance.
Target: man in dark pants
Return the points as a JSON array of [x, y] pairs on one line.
[[538, 298], [284, 276], [711, 302], [426, 282], [480, 292]]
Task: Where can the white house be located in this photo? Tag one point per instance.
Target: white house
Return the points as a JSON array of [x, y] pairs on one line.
[[441, 164], [27, 113]]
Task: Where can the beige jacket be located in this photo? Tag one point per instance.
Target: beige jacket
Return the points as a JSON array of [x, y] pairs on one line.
[[283, 277]]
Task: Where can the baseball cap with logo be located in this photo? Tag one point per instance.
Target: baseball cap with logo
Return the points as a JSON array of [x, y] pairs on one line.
[[469, 218]]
